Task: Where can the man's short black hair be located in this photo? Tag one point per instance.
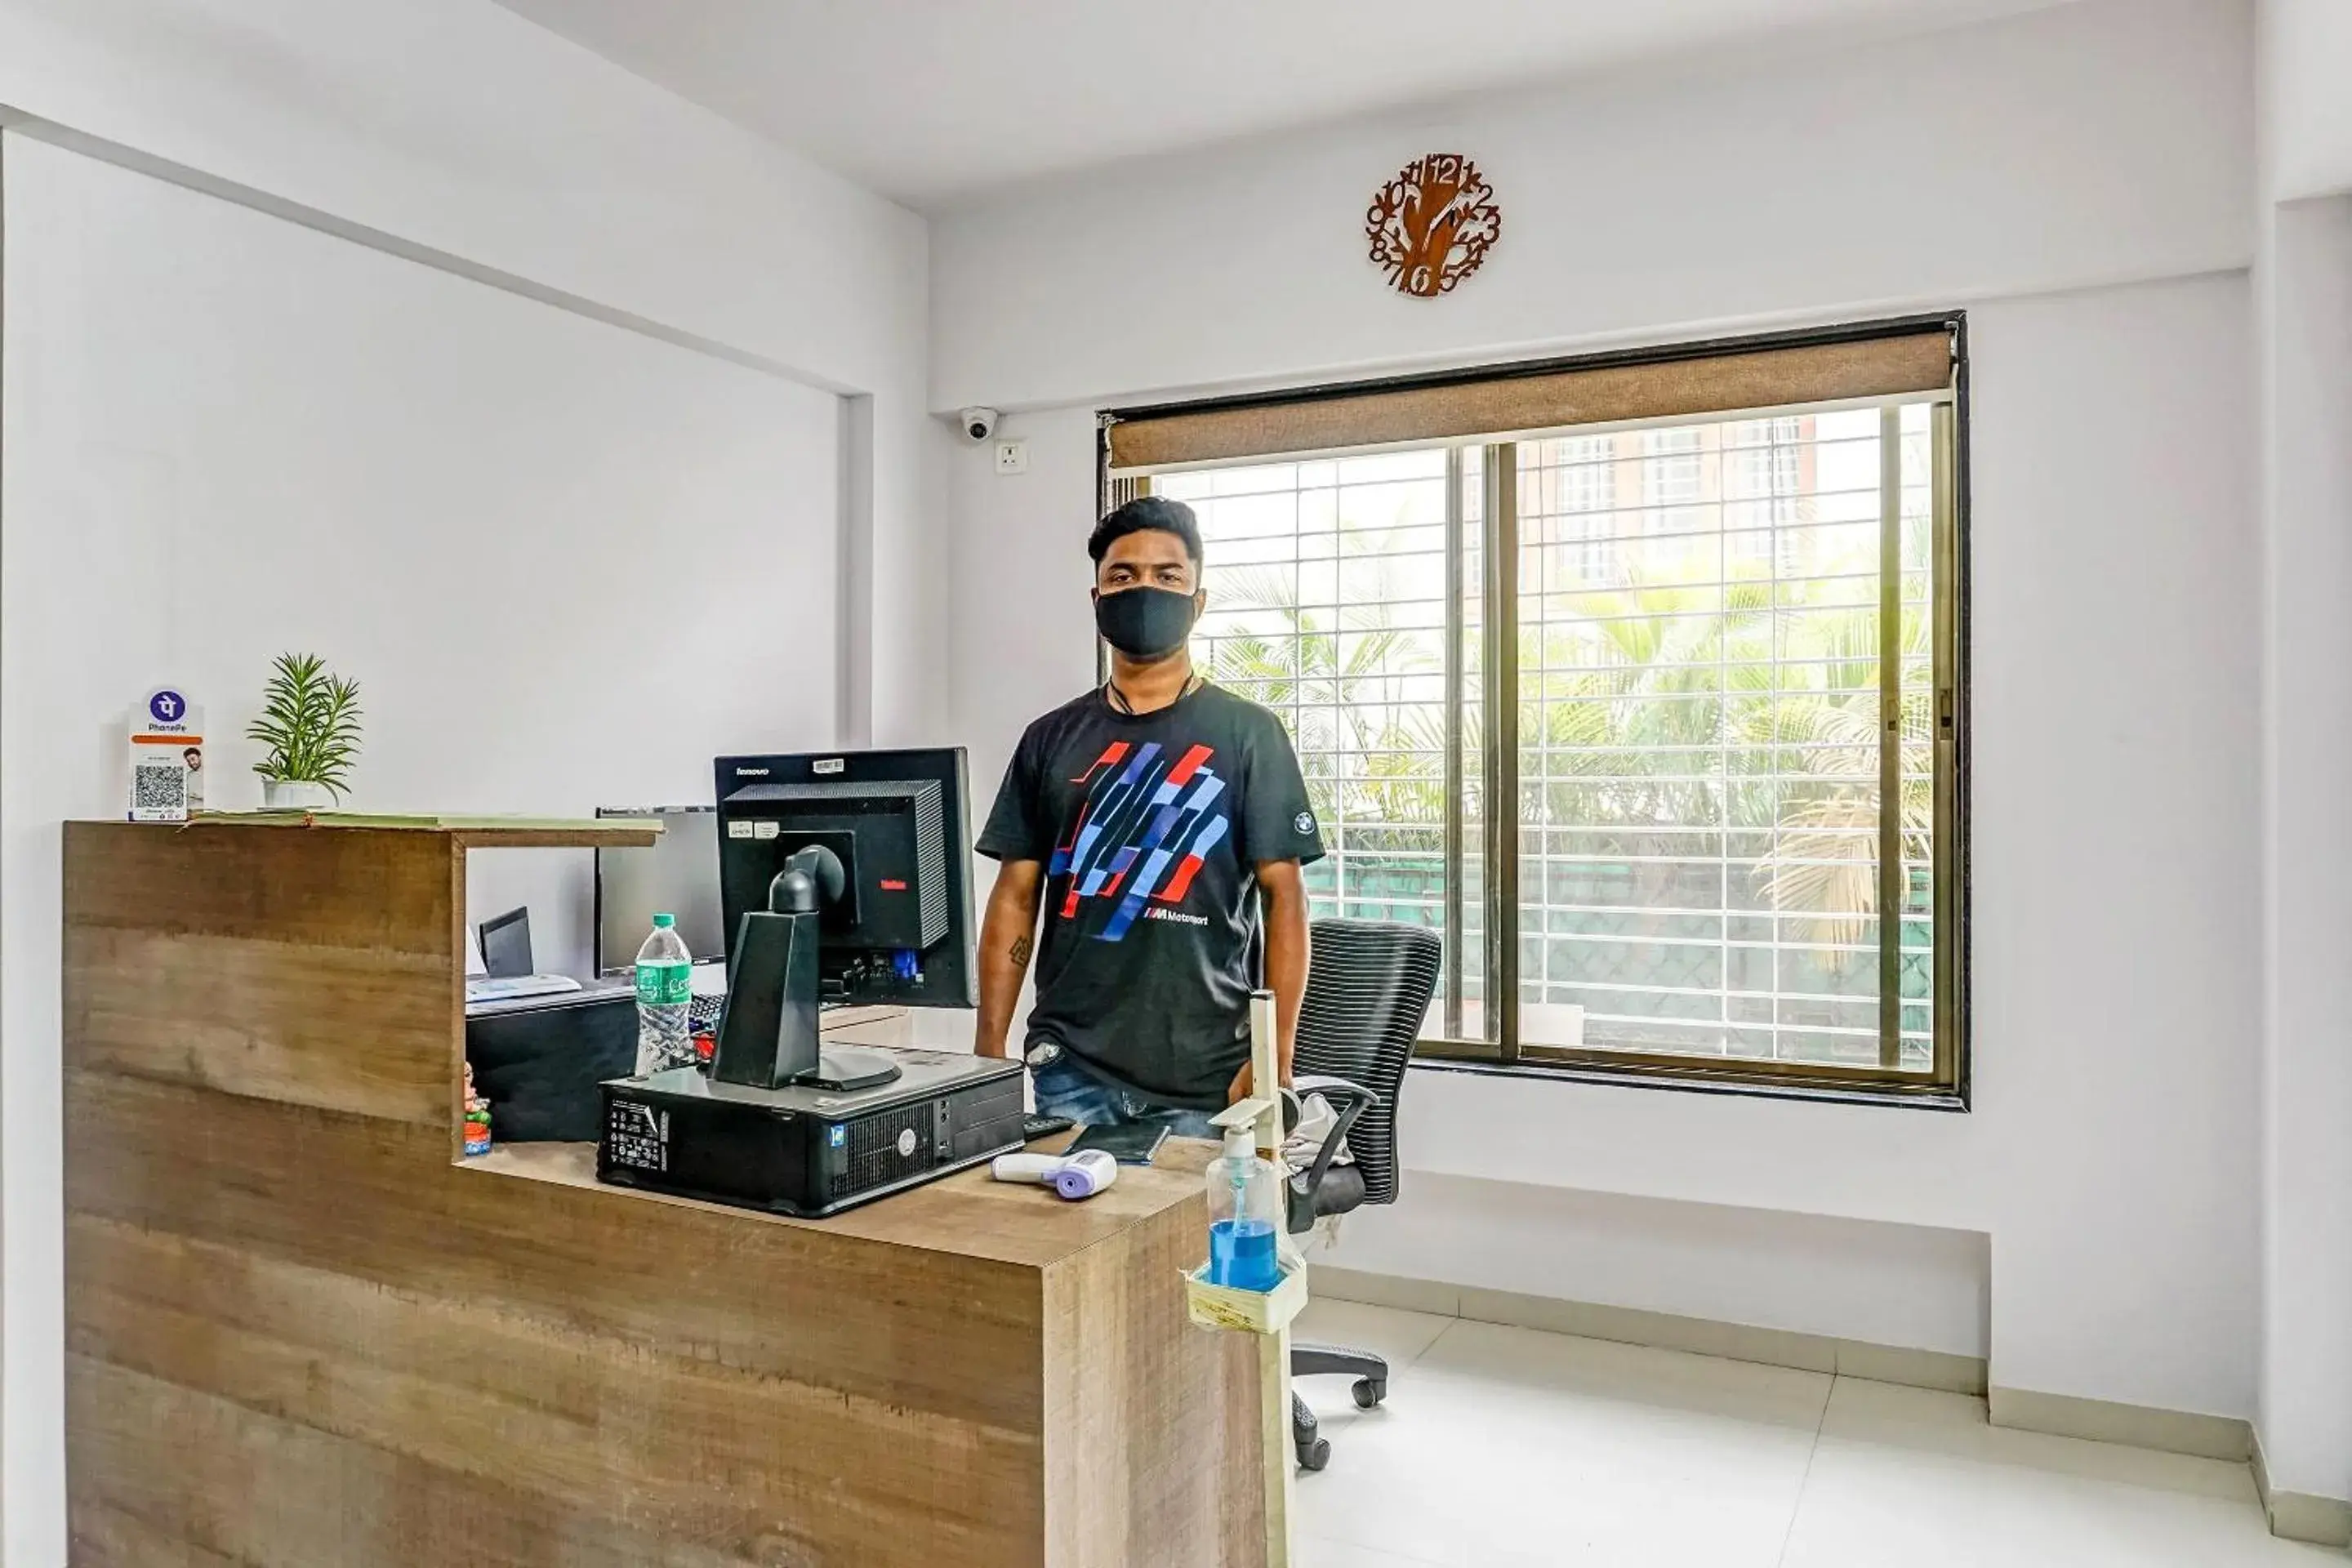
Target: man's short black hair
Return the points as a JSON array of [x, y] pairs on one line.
[[1148, 512]]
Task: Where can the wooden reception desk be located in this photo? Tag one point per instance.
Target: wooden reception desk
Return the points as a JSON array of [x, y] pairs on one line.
[[302, 1330]]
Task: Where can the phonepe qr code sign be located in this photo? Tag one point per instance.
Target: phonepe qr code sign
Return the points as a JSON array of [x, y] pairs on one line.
[[167, 757]]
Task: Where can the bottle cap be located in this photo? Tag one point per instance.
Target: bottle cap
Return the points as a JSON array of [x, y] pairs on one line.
[[1241, 1143], [663, 922]]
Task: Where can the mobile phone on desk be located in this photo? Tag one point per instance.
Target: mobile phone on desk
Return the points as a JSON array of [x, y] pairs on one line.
[[1132, 1144]]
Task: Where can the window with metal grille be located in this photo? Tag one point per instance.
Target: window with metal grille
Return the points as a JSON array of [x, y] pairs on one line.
[[1724, 695], [1329, 608]]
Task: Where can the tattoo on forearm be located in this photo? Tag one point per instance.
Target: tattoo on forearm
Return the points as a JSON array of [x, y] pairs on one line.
[[1021, 947]]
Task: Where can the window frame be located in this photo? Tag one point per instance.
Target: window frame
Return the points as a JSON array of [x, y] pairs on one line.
[[1947, 1085]]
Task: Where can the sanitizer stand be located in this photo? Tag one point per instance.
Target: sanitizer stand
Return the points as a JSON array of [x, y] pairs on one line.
[[1267, 1314]]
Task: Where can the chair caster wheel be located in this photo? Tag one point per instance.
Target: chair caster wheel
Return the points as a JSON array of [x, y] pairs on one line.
[[1370, 1391], [1315, 1455]]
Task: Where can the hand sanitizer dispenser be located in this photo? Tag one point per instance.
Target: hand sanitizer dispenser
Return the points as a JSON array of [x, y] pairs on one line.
[[1245, 1215]]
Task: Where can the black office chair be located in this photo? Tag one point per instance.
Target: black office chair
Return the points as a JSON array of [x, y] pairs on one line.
[[1368, 988]]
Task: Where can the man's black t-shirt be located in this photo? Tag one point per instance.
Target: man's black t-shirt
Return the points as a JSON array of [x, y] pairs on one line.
[[1150, 827]]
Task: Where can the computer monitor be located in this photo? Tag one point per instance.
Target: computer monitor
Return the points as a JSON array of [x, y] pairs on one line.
[[677, 874], [843, 876], [901, 932]]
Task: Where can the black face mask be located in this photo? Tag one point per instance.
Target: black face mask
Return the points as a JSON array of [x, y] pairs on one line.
[[1144, 622]]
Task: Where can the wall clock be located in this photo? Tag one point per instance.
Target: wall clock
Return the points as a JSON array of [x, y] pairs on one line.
[[1432, 224]]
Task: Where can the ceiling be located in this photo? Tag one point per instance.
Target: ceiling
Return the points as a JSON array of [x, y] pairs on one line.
[[930, 100]]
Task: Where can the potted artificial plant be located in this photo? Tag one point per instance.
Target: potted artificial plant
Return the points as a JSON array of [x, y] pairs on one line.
[[310, 721]]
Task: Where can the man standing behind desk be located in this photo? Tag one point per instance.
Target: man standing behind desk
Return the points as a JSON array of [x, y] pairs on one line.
[[1148, 819]]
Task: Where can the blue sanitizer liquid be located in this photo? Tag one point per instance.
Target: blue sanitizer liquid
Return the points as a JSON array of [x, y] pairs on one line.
[[1242, 1255]]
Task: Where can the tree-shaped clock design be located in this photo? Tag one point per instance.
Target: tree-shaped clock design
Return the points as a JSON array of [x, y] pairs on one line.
[[1432, 224]]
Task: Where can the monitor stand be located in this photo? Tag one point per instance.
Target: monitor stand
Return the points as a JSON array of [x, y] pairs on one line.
[[767, 1032]]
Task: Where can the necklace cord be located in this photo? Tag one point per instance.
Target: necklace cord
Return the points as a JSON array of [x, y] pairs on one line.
[[1117, 699]]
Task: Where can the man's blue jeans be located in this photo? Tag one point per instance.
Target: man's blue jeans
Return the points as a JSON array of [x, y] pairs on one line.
[[1066, 1089]]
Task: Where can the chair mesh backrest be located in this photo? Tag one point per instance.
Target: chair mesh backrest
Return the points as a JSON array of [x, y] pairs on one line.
[[1368, 988]]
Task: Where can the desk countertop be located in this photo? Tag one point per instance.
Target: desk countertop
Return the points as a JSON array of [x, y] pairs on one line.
[[969, 1213]]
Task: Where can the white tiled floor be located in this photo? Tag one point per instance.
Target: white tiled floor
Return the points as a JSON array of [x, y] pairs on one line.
[[1504, 1447]]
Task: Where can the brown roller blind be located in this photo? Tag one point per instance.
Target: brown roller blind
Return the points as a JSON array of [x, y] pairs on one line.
[[1505, 403]]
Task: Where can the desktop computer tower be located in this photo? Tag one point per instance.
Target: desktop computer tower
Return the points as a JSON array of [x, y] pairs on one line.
[[807, 1151]]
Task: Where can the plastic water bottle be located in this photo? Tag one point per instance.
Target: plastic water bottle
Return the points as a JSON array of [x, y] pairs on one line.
[[665, 1000], [1245, 1215]]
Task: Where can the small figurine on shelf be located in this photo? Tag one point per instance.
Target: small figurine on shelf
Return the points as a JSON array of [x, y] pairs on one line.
[[478, 1118]]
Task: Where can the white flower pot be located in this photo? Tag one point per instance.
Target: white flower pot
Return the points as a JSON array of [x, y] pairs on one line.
[[296, 795]]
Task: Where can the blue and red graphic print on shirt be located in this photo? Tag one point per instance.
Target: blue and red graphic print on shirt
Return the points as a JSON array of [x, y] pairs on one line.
[[1141, 806]]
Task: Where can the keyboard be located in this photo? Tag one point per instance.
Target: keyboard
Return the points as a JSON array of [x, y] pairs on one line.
[[703, 1014], [513, 987]]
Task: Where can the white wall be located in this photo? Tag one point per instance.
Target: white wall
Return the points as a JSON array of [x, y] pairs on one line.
[[2304, 344], [2306, 1404], [460, 129], [1912, 1285], [1020, 621], [2036, 167], [2083, 144], [2307, 47]]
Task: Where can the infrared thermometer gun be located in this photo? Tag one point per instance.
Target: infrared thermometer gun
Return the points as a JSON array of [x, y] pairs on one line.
[[1080, 1176]]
